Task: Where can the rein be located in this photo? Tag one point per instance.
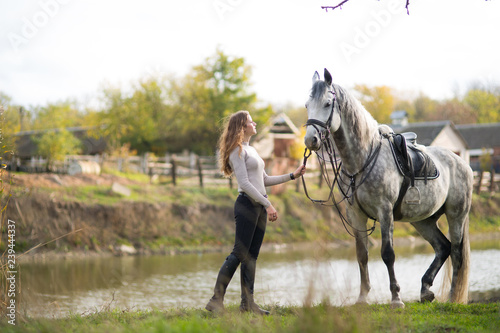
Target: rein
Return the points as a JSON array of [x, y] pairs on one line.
[[336, 164]]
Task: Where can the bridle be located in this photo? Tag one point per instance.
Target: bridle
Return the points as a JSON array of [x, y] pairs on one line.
[[325, 125], [327, 147]]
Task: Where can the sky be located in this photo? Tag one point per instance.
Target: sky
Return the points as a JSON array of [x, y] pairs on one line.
[[53, 50]]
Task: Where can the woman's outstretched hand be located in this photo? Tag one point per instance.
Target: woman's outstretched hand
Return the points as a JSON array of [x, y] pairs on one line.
[[301, 170]]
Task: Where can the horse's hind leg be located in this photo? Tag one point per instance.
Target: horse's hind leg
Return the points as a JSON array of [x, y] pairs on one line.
[[429, 230]]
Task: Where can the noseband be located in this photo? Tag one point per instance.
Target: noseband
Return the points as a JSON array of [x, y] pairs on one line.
[[325, 125]]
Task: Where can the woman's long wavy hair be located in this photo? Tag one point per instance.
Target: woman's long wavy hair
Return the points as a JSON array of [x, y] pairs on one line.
[[232, 137]]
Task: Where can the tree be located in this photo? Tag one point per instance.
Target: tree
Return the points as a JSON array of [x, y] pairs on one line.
[[379, 101], [54, 145], [171, 114], [455, 111], [485, 104], [211, 92], [137, 119], [53, 139], [12, 120], [425, 107]]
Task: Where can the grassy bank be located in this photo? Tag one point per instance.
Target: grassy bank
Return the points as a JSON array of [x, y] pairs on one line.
[[416, 317]]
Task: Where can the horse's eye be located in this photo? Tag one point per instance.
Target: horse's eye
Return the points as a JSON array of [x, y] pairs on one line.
[[328, 104]]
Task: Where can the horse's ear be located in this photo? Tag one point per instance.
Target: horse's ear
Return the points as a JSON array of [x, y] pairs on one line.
[[328, 77], [315, 77]]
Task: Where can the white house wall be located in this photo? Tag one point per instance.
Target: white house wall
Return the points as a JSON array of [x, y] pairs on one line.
[[448, 138]]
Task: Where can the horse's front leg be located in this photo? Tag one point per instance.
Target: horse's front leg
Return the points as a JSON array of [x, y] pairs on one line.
[[359, 222], [362, 255], [388, 256]]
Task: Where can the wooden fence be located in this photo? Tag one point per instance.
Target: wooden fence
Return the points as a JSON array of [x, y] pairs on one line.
[[188, 168], [486, 182]]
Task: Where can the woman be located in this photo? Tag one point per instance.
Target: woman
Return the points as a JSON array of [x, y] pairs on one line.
[[252, 208]]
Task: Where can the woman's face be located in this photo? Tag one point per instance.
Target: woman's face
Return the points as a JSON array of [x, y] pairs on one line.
[[251, 127]]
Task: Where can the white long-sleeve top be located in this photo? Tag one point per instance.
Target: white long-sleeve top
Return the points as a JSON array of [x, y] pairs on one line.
[[248, 167]]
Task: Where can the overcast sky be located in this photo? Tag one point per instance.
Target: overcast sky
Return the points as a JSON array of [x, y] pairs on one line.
[[51, 50]]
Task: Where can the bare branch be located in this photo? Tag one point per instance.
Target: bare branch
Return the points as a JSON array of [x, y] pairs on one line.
[[343, 2], [333, 7]]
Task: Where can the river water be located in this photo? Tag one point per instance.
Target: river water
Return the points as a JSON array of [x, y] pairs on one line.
[[289, 275]]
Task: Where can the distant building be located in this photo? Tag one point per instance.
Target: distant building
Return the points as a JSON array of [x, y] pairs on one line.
[[470, 141], [274, 145], [439, 133], [26, 147], [482, 139], [399, 119]]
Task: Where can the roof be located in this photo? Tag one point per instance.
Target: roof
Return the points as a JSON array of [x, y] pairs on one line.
[[282, 124], [426, 131], [26, 146], [481, 135], [277, 126]]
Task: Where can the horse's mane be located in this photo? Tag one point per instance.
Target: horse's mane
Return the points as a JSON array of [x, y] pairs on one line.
[[354, 115]]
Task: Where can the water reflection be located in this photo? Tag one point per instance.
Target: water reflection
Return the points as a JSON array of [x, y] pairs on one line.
[[291, 276]]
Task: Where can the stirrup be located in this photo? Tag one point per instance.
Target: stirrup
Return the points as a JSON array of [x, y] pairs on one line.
[[415, 192]]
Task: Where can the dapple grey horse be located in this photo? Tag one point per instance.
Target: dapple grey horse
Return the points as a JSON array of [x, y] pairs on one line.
[[376, 182]]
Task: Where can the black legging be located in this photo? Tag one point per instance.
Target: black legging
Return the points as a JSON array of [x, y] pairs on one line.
[[251, 219]]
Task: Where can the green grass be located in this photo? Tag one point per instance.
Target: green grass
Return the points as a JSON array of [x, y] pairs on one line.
[[416, 317]]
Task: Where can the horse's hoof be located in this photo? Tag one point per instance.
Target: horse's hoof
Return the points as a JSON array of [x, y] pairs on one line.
[[427, 297], [362, 301], [397, 305]]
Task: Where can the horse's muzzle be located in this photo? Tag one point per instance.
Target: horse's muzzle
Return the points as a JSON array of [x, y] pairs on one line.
[[312, 142]]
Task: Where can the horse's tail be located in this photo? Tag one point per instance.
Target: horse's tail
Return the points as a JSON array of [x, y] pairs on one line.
[[461, 293]]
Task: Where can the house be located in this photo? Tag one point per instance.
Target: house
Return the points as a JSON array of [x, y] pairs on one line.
[[26, 146], [482, 139], [275, 145], [438, 133], [399, 118]]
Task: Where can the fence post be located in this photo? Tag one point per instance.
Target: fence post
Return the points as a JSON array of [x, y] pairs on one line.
[[480, 181], [144, 163], [173, 170], [231, 182], [492, 180], [200, 171]]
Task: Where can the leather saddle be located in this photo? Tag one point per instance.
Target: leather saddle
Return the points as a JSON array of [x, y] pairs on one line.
[[413, 163]]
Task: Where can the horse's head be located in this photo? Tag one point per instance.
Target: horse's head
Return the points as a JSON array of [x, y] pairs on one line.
[[322, 110]]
